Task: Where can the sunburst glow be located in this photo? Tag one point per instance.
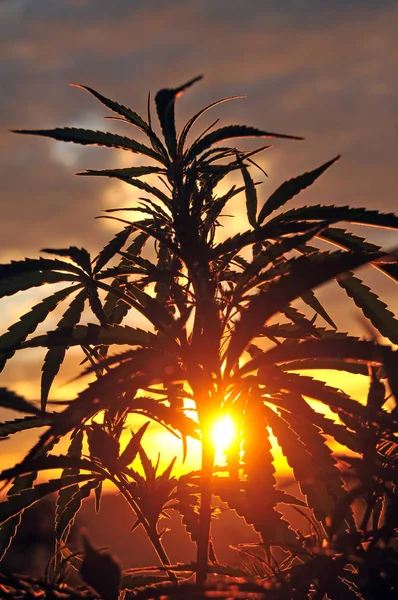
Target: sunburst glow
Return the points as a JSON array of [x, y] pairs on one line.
[[223, 433]]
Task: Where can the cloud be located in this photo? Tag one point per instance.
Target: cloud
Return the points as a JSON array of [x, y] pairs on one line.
[[323, 70]]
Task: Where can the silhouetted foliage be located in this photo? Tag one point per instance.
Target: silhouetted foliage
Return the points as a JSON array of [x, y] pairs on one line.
[[224, 335]]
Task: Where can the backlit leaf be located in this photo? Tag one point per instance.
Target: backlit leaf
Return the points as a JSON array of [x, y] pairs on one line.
[[230, 132], [18, 502], [291, 188], [55, 355], [130, 452], [13, 401], [372, 307], [305, 273], [27, 324], [87, 137]]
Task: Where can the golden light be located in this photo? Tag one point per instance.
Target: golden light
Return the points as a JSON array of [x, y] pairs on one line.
[[224, 432]]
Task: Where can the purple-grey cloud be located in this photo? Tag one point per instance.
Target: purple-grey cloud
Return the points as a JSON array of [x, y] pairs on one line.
[[323, 70]]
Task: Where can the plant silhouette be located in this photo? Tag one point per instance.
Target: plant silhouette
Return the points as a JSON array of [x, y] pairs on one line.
[[232, 327]]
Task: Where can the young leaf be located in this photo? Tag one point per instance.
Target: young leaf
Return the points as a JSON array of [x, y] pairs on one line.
[[165, 103], [132, 448], [188, 126], [103, 445], [251, 196]]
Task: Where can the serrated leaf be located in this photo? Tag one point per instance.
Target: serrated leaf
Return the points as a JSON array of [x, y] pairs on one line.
[[13, 401], [27, 324], [128, 172], [312, 301], [358, 216], [291, 188], [349, 348], [24, 281], [85, 335], [55, 356], [165, 104], [132, 448], [18, 502], [68, 516], [370, 304], [310, 435], [312, 388], [295, 404], [305, 273], [258, 504], [251, 196], [103, 445], [350, 241], [188, 507], [65, 495], [230, 132], [128, 114], [10, 527], [9, 427], [95, 301], [87, 137], [269, 231], [305, 468], [44, 463], [112, 248], [79, 255], [272, 254], [31, 265], [166, 415]]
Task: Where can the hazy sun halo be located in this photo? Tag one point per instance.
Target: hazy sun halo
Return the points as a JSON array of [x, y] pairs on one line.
[[224, 433]]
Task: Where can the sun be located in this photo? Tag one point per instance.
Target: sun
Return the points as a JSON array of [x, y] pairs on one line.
[[223, 433]]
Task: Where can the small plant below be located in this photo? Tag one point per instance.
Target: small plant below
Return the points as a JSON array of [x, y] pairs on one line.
[[232, 327]]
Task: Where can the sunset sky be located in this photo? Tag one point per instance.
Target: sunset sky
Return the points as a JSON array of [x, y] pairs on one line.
[[323, 70]]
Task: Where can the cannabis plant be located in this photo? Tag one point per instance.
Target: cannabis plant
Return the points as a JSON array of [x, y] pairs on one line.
[[233, 325]]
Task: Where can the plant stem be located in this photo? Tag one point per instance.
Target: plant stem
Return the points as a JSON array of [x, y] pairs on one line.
[[205, 509], [151, 533]]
